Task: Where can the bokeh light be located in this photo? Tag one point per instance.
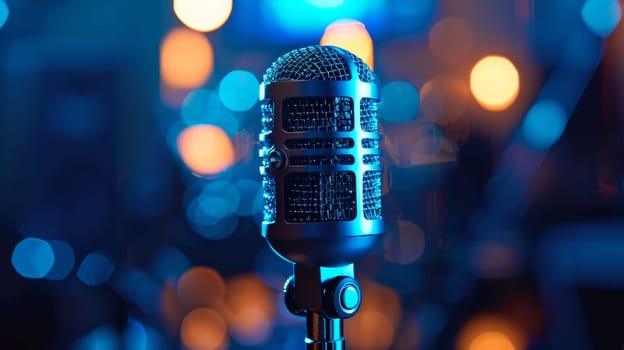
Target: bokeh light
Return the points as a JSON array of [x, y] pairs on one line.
[[451, 40], [405, 244], [491, 341], [544, 124], [95, 269], [200, 286], [251, 197], [141, 289], [170, 263], [352, 36], [212, 211], [203, 329], [399, 102], [494, 82], [238, 90], [103, 337], [186, 59], [135, 336], [203, 106], [601, 16], [493, 259], [4, 13], [203, 15], [252, 309], [326, 3], [64, 260], [205, 149], [32, 258], [490, 331]]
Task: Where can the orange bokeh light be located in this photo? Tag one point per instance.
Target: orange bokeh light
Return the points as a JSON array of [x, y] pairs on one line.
[[352, 36], [251, 305], [492, 341], [494, 82], [200, 286], [186, 59], [491, 332], [205, 149], [203, 329]]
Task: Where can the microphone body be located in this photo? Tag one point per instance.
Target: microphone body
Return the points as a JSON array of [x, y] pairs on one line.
[[321, 173]]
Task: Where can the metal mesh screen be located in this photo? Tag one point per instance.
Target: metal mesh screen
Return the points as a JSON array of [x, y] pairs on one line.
[[309, 63], [328, 114], [267, 108], [370, 143], [371, 192], [372, 159], [342, 159], [364, 73], [320, 143], [320, 196], [368, 115]]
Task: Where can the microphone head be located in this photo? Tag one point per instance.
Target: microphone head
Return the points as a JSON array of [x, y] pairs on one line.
[[321, 163]]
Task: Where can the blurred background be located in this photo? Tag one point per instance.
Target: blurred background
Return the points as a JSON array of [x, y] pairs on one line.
[[130, 200]]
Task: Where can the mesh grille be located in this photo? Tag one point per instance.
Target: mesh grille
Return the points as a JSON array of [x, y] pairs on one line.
[[319, 143], [320, 196], [329, 114], [309, 63], [372, 195], [364, 73], [268, 111], [368, 115], [268, 184], [372, 159], [343, 159], [370, 143]]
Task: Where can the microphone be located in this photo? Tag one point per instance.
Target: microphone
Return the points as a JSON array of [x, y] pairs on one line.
[[321, 173]]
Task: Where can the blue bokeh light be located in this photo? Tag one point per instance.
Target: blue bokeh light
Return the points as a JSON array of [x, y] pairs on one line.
[[325, 3], [4, 13], [203, 106], [217, 200], [170, 263], [544, 124], [32, 258], [139, 288], [251, 197], [135, 336], [64, 260], [601, 16], [102, 338], [95, 269], [399, 102], [238, 90]]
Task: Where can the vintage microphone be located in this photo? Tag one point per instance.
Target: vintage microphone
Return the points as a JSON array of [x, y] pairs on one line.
[[321, 172]]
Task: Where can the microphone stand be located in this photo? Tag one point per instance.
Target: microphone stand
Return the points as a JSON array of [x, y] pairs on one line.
[[325, 296]]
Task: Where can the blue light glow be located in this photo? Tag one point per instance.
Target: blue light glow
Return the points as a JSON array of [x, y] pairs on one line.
[[325, 3], [139, 288], [4, 13], [204, 106], [251, 197], [221, 229], [170, 263], [102, 338], [601, 16], [399, 102], [135, 336], [544, 124], [95, 269], [64, 260], [32, 258], [238, 90], [217, 200]]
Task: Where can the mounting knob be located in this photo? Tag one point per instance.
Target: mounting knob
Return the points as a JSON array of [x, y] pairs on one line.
[[289, 297], [342, 297]]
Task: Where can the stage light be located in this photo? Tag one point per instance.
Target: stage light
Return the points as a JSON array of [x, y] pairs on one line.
[[32, 258], [205, 149], [451, 40], [200, 286], [544, 124], [186, 59], [203, 106], [399, 102], [95, 269], [4, 13], [203, 15], [238, 90], [64, 260], [491, 341], [203, 329], [494, 82], [601, 16], [252, 307], [350, 35]]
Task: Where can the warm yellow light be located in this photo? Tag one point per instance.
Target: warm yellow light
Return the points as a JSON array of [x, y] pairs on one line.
[[205, 149], [352, 36], [203, 329], [494, 82], [186, 59], [492, 341], [203, 15]]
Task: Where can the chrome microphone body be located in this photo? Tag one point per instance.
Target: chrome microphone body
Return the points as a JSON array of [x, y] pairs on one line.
[[321, 172]]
